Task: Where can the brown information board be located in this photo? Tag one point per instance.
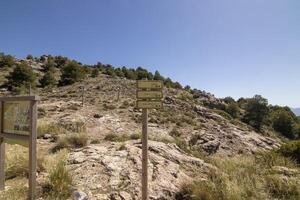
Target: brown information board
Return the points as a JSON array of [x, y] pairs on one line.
[[18, 122]]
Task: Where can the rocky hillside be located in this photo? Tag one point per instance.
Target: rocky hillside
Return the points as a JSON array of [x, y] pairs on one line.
[[186, 137]]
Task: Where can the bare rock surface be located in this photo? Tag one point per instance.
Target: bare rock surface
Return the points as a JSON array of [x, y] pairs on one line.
[[109, 172]]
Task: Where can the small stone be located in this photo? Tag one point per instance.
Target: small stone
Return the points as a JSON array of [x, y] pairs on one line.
[[79, 195]]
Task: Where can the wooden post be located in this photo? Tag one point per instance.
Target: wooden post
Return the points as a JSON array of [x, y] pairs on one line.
[[118, 94], [32, 150], [30, 90], [82, 100], [2, 153], [145, 155]]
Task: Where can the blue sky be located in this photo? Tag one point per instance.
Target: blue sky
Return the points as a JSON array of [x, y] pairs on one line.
[[229, 48]]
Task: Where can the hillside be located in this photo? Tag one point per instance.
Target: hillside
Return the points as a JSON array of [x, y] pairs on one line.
[[191, 140], [296, 111]]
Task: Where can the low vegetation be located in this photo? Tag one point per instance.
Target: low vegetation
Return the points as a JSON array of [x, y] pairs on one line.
[[73, 140], [59, 183], [17, 159], [52, 129], [246, 177], [113, 137]]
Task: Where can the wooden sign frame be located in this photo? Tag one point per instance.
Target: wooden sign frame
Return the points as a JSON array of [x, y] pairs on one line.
[[31, 139], [149, 95]]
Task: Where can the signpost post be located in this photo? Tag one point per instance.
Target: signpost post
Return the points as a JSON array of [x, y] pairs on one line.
[[18, 122], [149, 95]]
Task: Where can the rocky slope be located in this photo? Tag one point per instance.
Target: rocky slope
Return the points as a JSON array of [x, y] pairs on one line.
[[112, 170]]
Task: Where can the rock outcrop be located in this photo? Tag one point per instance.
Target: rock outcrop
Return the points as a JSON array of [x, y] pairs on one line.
[[111, 171]]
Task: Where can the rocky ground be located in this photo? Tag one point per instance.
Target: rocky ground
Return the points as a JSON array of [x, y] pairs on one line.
[[184, 138], [112, 170]]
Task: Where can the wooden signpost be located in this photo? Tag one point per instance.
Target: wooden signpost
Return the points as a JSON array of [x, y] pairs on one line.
[[149, 96], [18, 122]]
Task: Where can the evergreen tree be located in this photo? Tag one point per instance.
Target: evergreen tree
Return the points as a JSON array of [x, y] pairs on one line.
[[49, 79], [157, 76], [22, 75], [256, 112], [71, 73], [283, 123], [29, 57]]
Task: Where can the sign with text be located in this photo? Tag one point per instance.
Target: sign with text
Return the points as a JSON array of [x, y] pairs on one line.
[[18, 122], [149, 104], [145, 84], [149, 94], [16, 117]]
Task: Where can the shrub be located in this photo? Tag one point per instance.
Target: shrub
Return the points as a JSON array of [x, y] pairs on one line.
[[29, 57], [291, 150], [135, 136], [50, 65], [256, 112], [6, 60], [233, 110], [60, 181], [16, 160], [71, 73], [49, 78], [283, 123], [95, 141], [41, 112], [113, 137], [49, 128], [243, 177], [279, 188], [175, 133], [95, 73], [22, 75], [76, 140], [17, 190]]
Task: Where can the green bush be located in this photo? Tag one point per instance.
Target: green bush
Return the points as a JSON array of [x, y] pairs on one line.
[[49, 78], [175, 132], [22, 75], [135, 136], [113, 137], [233, 109], [283, 122], [49, 128], [60, 182], [256, 112], [291, 150], [71, 73], [6, 60], [76, 140], [279, 188]]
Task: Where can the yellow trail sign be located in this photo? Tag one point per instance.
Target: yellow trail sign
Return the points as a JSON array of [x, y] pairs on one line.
[[149, 94], [149, 104], [145, 84]]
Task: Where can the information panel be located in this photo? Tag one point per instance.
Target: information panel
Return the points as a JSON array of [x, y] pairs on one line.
[[145, 84], [16, 117]]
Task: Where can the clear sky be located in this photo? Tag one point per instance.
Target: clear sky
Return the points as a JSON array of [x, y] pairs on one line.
[[226, 47]]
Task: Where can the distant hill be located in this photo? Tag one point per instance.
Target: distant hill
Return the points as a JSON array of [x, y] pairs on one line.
[[296, 111]]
